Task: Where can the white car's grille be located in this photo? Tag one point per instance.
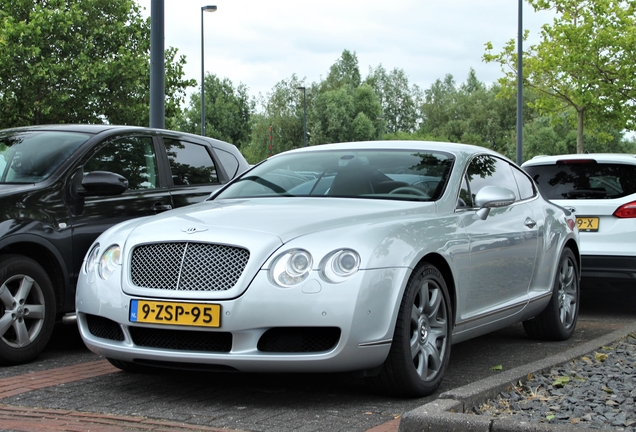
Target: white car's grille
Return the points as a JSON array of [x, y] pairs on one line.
[[187, 266]]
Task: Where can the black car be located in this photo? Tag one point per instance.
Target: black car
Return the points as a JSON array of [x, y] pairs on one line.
[[61, 186]]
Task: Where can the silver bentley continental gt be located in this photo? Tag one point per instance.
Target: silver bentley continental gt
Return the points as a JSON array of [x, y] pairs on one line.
[[368, 256]]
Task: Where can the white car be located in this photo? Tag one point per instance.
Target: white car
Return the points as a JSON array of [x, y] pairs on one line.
[[367, 256], [600, 189]]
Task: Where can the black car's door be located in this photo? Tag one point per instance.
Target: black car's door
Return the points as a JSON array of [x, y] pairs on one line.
[[135, 158], [193, 171]]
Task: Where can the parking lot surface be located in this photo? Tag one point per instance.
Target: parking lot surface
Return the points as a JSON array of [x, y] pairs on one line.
[[70, 388]]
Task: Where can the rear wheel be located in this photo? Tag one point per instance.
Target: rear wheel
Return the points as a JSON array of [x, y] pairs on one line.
[[27, 309], [558, 320], [421, 343]]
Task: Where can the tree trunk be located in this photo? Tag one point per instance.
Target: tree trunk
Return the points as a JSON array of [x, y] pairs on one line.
[[579, 131]]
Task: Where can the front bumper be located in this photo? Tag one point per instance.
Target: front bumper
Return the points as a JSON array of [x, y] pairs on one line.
[[347, 326]]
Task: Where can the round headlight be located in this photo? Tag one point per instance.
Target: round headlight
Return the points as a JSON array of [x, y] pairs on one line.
[[291, 268], [91, 258], [110, 260], [340, 265]]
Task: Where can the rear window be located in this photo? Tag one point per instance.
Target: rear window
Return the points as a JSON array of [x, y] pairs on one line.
[[589, 180]]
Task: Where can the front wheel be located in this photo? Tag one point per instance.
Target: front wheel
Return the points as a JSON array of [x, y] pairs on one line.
[[558, 319], [27, 309], [421, 343]]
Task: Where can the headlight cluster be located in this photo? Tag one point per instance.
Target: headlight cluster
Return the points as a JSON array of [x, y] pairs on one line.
[[106, 264], [294, 266]]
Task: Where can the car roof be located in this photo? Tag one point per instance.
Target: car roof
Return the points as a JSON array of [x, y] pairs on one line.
[[599, 157], [95, 129], [86, 128], [453, 148]]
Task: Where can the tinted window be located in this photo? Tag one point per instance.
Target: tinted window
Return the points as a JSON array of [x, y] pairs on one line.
[[526, 188], [131, 157], [584, 180], [30, 157], [487, 170], [228, 161], [190, 163]]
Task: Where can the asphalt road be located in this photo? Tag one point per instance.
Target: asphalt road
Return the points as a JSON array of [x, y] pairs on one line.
[[299, 402]]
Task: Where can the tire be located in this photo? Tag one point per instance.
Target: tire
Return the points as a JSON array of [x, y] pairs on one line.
[[558, 320], [27, 309], [421, 343]]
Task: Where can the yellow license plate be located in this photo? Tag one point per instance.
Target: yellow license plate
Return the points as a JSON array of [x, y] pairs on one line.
[[175, 313], [587, 224]]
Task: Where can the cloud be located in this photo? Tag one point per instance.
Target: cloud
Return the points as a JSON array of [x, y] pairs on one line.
[[260, 43]]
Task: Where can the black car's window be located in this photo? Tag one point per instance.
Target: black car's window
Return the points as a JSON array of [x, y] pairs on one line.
[[228, 161], [190, 163], [526, 188], [584, 180], [131, 157], [379, 174], [486, 170], [31, 157]]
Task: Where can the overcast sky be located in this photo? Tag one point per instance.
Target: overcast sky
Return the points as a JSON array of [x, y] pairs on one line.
[[259, 43]]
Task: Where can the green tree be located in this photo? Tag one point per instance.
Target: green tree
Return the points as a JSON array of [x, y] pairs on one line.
[[556, 135], [584, 64], [87, 61], [400, 101], [344, 72], [282, 110], [227, 112]]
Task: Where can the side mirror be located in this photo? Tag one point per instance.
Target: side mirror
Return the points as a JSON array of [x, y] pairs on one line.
[[492, 197], [102, 183]]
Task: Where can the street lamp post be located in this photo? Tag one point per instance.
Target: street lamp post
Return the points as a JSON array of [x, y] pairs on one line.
[[520, 85], [381, 126], [304, 114], [209, 8]]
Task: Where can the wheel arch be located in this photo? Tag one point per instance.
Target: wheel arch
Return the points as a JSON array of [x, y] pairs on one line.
[[442, 265], [46, 256], [574, 247]]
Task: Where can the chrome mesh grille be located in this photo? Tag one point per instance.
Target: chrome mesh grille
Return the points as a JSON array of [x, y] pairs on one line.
[[187, 266]]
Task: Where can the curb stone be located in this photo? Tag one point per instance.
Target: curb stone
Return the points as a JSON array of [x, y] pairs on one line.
[[447, 414]]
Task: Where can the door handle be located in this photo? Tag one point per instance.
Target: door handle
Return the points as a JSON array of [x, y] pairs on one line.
[[158, 207], [530, 223]]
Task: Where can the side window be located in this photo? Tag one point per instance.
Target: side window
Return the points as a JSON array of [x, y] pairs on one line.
[[464, 200], [228, 161], [132, 157], [526, 187], [487, 170], [190, 163]]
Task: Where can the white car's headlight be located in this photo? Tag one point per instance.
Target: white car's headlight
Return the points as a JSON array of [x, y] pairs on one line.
[[91, 258], [109, 261], [291, 267], [340, 265]]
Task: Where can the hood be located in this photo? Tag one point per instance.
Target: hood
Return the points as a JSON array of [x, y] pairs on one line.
[[262, 226], [284, 218], [13, 188]]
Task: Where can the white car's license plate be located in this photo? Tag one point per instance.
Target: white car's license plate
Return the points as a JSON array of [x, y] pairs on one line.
[[175, 313]]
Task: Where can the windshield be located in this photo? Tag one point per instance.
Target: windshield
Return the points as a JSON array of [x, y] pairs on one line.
[[31, 157], [378, 174]]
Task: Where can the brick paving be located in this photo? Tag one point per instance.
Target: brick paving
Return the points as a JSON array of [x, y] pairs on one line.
[[14, 418]]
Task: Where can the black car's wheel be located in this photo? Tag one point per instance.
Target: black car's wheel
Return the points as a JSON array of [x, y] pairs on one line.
[[27, 309], [558, 319], [422, 339]]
